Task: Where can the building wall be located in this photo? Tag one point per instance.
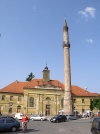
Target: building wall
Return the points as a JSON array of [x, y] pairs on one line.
[[41, 101], [7, 103], [85, 106]]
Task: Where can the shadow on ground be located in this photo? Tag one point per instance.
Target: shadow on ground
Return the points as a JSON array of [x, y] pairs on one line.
[[28, 130], [20, 131]]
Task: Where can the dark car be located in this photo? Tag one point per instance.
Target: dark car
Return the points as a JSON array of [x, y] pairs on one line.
[[9, 124], [94, 119], [95, 127], [58, 118]]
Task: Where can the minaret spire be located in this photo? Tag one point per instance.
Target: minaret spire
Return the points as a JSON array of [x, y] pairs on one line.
[[65, 34], [65, 23], [67, 72]]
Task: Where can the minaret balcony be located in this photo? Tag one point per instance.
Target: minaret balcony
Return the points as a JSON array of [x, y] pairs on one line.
[[65, 28], [66, 45]]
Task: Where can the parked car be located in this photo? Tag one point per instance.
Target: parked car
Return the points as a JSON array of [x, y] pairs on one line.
[[18, 116], [94, 119], [71, 117], [95, 127], [9, 123], [58, 118], [37, 117]]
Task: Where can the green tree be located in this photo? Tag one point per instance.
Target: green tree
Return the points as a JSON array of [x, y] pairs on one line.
[[30, 77], [95, 103]]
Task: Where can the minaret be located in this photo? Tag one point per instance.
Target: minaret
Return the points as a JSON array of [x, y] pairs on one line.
[[67, 72]]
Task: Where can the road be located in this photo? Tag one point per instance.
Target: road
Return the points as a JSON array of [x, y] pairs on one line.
[[81, 126]]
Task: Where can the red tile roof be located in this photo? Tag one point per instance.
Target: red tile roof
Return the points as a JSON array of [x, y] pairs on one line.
[[15, 87], [18, 87], [77, 91], [35, 82]]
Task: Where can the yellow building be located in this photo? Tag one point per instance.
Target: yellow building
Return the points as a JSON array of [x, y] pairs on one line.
[[41, 96]]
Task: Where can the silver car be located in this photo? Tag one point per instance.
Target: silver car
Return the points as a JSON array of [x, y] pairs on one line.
[[71, 117], [37, 117]]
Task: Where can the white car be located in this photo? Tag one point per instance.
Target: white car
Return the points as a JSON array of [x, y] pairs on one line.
[[18, 116], [37, 117]]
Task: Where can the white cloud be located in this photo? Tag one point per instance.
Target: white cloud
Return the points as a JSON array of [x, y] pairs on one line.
[[89, 40], [83, 14], [89, 12]]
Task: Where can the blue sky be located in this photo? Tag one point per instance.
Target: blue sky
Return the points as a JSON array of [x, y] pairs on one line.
[[32, 34]]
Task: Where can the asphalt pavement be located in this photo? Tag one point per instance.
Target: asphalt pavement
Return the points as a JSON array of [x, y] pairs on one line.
[[80, 126]]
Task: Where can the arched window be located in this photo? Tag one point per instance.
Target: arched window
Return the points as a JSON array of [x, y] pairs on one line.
[[62, 103], [48, 98], [31, 102]]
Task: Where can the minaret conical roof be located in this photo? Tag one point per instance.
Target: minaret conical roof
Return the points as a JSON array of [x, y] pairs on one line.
[[65, 23]]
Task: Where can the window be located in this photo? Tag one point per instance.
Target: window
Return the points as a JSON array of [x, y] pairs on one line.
[[62, 103], [74, 100], [82, 100], [31, 102], [9, 121], [19, 98], [11, 98], [2, 120], [83, 110], [3, 97], [48, 98]]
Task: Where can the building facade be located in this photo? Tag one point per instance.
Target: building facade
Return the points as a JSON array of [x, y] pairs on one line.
[[42, 96]]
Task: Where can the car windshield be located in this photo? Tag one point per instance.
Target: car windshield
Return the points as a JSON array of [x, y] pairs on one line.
[[56, 115], [37, 115], [21, 115], [33, 115]]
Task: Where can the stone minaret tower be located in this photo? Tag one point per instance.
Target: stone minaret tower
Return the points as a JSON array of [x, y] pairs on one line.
[[67, 72]]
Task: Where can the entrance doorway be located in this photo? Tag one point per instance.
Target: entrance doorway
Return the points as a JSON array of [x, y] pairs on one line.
[[47, 112], [83, 110]]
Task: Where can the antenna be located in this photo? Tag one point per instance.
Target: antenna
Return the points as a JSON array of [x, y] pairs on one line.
[[86, 88], [64, 16]]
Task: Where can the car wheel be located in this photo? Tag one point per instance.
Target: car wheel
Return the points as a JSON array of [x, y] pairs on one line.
[[65, 120], [32, 119], [13, 129], [69, 119], [41, 119], [57, 121]]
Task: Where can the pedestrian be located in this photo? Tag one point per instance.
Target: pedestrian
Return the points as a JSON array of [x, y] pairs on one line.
[[24, 122]]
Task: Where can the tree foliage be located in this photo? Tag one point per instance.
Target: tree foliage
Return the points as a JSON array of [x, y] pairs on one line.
[[95, 103], [30, 77]]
